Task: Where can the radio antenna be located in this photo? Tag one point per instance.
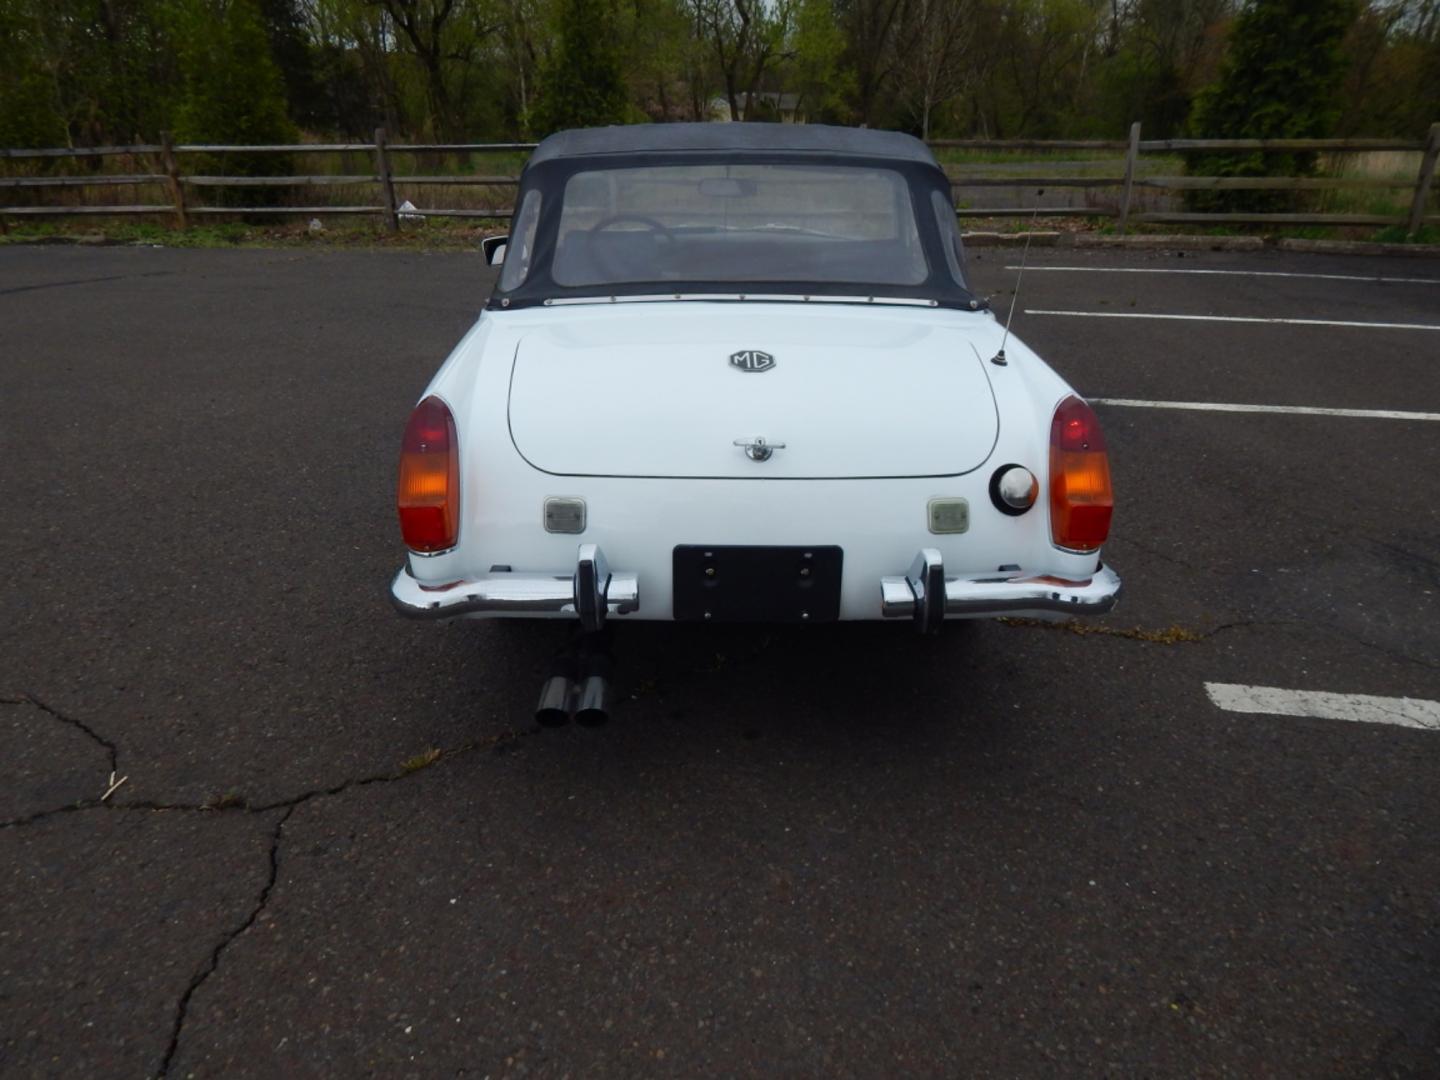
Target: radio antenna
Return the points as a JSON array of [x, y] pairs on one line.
[[999, 357]]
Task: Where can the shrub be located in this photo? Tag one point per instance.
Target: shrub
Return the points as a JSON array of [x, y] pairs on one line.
[[1280, 79], [233, 91], [583, 85]]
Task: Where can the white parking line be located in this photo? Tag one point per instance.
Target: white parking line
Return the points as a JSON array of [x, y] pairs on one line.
[[1301, 410], [1372, 279], [1360, 708], [1234, 319]]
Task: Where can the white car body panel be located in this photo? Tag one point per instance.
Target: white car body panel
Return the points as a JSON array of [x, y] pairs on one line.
[[890, 406], [646, 390]]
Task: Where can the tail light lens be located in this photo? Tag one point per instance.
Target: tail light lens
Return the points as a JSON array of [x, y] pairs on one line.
[[428, 495], [1080, 497]]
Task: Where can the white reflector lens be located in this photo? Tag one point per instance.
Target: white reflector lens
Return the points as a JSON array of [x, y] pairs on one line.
[[949, 516]]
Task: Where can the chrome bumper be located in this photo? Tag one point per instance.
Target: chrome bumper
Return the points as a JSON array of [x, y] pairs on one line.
[[926, 595], [591, 593]]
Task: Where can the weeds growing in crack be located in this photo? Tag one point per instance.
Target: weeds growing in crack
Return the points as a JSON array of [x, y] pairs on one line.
[[1169, 635], [421, 761], [1180, 635], [407, 768], [233, 802]]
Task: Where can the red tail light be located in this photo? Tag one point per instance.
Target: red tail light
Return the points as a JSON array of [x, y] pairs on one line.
[[1080, 498], [428, 495]]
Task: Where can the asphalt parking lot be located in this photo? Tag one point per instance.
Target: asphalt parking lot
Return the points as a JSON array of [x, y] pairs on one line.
[[340, 845]]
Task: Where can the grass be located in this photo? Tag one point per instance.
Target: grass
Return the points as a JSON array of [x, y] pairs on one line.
[[1395, 234], [420, 761], [219, 234], [1168, 635], [1141, 228]]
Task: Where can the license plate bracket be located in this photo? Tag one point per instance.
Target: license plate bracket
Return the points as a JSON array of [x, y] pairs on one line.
[[742, 583]]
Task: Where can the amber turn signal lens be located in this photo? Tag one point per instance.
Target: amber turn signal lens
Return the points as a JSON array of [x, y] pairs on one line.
[[1081, 500], [428, 494]]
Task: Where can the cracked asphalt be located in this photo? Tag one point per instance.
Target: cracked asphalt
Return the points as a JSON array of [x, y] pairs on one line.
[[259, 825]]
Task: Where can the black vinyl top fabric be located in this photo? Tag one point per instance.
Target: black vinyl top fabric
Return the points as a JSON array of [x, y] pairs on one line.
[[717, 137], [562, 156]]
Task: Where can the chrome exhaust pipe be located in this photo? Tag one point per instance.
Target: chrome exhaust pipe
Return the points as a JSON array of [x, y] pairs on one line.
[[555, 696], [593, 706]]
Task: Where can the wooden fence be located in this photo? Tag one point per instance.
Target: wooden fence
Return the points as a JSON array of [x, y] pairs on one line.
[[179, 186]]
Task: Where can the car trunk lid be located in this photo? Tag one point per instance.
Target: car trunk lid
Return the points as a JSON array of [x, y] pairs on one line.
[[851, 392]]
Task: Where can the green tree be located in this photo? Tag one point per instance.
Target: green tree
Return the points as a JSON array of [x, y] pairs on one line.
[[294, 55], [1045, 73], [84, 71], [817, 71], [582, 84], [939, 46], [1280, 79], [871, 28], [1158, 54], [748, 39], [659, 49], [443, 37], [1392, 86], [233, 90], [29, 111]]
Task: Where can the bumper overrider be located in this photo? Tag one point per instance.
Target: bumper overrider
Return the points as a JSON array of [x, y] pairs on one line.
[[592, 593], [927, 596]]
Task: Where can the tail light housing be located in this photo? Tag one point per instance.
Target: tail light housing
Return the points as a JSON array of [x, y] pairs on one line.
[[1081, 501], [428, 494]]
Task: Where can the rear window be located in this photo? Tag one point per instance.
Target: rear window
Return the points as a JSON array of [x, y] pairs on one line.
[[706, 223]]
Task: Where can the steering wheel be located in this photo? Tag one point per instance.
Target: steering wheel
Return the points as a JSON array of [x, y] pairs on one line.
[[597, 251]]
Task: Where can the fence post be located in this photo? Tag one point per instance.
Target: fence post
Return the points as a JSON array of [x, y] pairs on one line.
[[1422, 182], [172, 179], [1132, 156], [387, 188]]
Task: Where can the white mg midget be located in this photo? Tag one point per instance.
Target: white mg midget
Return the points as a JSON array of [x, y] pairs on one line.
[[736, 372]]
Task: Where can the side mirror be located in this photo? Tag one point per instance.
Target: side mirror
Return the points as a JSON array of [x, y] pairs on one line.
[[494, 249]]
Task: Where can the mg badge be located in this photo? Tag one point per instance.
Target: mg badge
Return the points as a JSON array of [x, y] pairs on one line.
[[752, 360]]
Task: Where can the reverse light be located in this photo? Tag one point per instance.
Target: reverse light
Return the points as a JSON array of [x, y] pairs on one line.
[[428, 494], [1013, 489], [1081, 501]]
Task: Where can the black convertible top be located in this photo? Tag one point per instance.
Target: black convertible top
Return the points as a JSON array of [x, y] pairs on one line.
[[849, 214], [719, 137]]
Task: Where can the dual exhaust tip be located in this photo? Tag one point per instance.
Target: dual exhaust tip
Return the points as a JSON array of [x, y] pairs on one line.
[[584, 696]]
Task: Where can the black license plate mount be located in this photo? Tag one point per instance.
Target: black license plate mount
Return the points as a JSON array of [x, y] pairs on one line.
[[757, 584]]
